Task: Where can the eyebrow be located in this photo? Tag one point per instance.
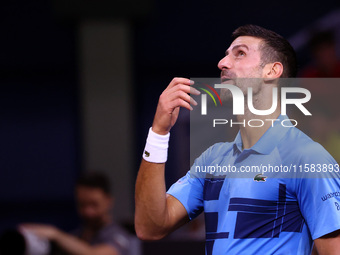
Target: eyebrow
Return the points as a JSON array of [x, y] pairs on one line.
[[236, 47]]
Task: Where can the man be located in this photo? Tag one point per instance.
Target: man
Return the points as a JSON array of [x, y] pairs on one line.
[[99, 235], [243, 216], [323, 52]]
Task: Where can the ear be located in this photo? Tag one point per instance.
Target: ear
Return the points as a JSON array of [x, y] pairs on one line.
[[273, 70]]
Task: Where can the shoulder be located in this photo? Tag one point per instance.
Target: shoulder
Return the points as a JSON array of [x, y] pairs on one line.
[[300, 146], [217, 150], [208, 157], [308, 158], [213, 152]]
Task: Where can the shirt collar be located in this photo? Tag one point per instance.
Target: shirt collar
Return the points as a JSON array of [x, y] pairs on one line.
[[238, 142], [270, 139]]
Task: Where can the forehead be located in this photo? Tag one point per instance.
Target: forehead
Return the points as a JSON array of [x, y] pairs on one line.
[[252, 43]]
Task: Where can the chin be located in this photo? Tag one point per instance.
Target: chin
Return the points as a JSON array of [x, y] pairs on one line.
[[225, 95], [92, 222]]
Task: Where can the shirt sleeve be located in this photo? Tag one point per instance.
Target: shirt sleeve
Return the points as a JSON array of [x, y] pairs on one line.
[[319, 194], [189, 189]]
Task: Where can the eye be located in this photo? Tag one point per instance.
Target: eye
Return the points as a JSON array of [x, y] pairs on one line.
[[241, 53]]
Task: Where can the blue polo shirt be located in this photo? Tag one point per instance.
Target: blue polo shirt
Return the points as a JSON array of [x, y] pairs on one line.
[[277, 213]]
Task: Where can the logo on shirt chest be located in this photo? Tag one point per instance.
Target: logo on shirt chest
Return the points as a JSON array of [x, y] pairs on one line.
[[260, 178]]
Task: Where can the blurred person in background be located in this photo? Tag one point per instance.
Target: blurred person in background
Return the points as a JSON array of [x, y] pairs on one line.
[[98, 234], [325, 62]]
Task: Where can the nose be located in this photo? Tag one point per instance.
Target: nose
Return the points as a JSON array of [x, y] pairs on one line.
[[225, 63]]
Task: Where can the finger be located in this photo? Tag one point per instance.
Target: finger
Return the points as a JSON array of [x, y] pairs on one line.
[[184, 88], [182, 95], [187, 89], [26, 227], [194, 91], [180, 103], [192, 101], [177, 80]]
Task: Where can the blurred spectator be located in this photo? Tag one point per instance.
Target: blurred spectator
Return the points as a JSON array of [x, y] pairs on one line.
[[325, 63], [324, 125], [98, 233]]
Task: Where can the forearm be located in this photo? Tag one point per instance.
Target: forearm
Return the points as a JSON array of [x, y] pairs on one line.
[[156, 214], [151, 207], [69, 243], [74, 246]]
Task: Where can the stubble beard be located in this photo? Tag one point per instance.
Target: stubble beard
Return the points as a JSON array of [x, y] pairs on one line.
[[242, 83]]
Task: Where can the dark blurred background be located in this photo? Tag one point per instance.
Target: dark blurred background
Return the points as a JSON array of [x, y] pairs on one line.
[[80, 81]]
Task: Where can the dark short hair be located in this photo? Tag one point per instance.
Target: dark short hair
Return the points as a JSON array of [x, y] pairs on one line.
[[274, 48], [95, 180]]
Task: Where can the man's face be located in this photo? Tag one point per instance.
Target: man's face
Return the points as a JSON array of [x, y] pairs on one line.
[[242, 60], [93, 205]]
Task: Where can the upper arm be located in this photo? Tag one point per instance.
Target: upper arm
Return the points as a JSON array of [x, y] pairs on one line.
[[185, 197], [187, 194], [177, 214], [328, 244]]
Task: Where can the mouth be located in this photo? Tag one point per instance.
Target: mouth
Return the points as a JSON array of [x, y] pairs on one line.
[[225, 79]]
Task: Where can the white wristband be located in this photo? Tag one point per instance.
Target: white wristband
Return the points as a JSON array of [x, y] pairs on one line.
[[156, 147]]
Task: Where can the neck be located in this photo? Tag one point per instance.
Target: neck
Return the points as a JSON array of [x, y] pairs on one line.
[[105, 220], [250, 135]]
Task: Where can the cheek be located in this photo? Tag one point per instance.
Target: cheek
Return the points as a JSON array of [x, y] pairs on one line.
[[87, 212], [249, 69], [88, 209], [105, 207], [243, 64], [100, 206]]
